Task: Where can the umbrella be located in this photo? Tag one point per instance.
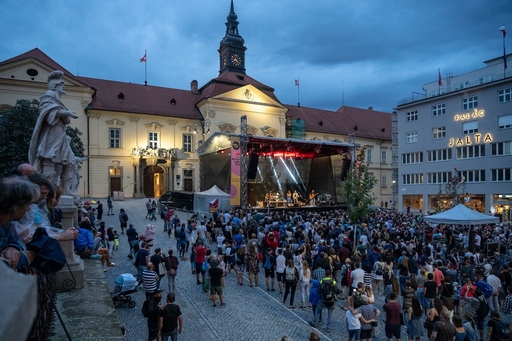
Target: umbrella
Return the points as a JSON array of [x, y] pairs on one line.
[[90, 202]]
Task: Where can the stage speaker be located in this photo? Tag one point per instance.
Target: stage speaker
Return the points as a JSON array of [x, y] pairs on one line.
[[252, 167], [345, 168]]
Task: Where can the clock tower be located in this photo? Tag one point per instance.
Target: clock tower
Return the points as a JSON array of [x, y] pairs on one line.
[[232, 49]]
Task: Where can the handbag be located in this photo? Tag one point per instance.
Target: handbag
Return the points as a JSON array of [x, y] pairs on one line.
[[161, 269], [172, 272]]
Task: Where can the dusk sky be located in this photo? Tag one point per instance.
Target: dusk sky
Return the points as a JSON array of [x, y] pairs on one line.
[[357, 53]]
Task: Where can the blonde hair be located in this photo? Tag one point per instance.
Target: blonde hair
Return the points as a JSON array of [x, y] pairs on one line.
[[305, 267]]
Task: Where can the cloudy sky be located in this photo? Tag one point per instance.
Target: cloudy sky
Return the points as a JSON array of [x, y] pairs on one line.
[[358, 53]]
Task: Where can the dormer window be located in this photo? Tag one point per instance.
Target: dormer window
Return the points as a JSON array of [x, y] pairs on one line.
[[173, 101], [120, 96]]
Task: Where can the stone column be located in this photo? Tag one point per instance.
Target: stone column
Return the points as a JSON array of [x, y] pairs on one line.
[[64, 277]]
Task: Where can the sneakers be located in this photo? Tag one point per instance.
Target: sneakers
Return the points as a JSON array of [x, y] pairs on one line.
[[222, 305], [214, 305], [312, 324], [130, 256], [198, 282], [112, 264], [327, 330], [292, 307]]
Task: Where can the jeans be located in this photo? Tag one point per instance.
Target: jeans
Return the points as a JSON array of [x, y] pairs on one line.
[[173, 335], [171, 282], [318, 311], [494, 303], [131, 243], [290, 286], [402, 280], [354, 334], [304, 290], [140, 269], [421, 298]]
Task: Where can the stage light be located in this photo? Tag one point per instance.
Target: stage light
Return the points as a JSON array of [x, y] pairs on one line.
[[288, 169]]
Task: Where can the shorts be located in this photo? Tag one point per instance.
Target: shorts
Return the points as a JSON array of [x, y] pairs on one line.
[[351, 291], [216, 290], [199, 268], [354, 334], [392, 331], [479, 323], [270, 273], [366, 333], [280, 276]]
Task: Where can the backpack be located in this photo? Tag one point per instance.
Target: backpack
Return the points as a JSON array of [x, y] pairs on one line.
[[502, 331], [290, 273], [182, 235], [327, 291], [379, 271], [344, 270], [483, 309], [268, 264], [125, 217], [145, 308], [487, 289], [336, 265]]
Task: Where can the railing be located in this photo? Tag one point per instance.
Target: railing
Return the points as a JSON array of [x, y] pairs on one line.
[[46, 289]]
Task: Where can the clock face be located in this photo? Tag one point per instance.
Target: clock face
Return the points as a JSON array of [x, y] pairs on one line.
[[236, 60]]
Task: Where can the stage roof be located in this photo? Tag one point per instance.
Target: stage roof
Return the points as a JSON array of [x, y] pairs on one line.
[[275, 146]]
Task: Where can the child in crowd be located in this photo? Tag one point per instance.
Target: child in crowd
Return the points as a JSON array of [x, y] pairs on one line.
[[314, 297], [116, 240], [153, 214]]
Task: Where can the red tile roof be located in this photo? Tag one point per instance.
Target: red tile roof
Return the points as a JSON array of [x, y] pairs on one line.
[[369, 122], [142, 99], [41, 57]]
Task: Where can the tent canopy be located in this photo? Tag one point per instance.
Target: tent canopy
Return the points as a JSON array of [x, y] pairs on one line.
[[460, 214], [202, 199]]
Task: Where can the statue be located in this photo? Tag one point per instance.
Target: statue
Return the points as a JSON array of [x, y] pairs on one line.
[[50, 152]]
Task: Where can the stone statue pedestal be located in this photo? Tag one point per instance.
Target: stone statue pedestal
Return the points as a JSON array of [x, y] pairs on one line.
[[65, 280]]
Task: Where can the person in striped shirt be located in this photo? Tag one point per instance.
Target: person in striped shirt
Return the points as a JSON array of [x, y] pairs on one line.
[[149, 278]]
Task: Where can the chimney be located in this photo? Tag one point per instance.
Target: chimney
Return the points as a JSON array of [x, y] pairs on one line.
[[370, 108], [193, 87]]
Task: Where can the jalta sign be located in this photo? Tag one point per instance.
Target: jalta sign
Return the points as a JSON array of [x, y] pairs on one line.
[[469, 140]]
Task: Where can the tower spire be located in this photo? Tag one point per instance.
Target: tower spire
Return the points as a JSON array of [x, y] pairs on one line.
[[232, 49]]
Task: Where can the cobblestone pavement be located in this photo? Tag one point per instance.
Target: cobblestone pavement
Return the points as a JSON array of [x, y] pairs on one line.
[[250, 313]]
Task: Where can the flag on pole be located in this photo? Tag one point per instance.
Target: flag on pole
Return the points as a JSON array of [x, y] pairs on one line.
[[502, 29], [439, 80], [296, 82], [143, 59]]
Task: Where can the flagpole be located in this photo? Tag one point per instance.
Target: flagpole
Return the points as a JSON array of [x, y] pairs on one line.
[[298, 92], [504, 58], [146, 68]]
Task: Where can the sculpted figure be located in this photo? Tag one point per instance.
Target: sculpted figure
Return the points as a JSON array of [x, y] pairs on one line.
[[50, 152]]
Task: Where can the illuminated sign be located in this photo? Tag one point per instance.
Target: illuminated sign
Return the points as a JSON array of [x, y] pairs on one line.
[[467, 116], [469, 140]]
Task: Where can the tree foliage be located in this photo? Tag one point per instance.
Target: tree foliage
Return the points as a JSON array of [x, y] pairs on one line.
[[16, 127], [454, 192], [358, 188]]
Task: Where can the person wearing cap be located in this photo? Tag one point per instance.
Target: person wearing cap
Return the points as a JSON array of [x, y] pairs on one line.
[[154, 308]]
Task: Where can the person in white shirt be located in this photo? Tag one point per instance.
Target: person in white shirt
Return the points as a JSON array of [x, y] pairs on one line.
[[363, 239], [280, 266], [495, 283], [357, 277]]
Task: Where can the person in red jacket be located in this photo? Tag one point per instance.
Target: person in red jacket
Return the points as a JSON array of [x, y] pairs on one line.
[[271, 241]]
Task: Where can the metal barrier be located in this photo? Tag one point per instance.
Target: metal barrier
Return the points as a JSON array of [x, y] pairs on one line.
[[45, 306]]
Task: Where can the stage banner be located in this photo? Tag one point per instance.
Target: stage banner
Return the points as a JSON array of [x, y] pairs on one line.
[[234, 198]]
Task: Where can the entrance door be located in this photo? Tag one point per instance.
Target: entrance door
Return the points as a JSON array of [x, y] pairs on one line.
[[153, 181], [188, 185], [115, 185]]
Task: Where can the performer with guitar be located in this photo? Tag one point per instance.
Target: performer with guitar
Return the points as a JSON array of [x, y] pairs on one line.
[[312, 196]]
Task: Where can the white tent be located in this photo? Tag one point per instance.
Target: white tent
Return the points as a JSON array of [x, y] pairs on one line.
[[460, 214], [202, 200]]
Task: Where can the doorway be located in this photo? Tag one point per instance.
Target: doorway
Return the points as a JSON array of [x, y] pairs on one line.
[[153, 181]]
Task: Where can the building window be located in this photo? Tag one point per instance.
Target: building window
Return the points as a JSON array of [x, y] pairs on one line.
[[470, 127], [462, 85], [438, 110], [472, 175], [187, 143], [368, 155], [412, 137], [505, 95], [469, 103], [383, 156], [153, 140], [471, 152], [485, 79], [439, 133], [439, 155], [115, 138], [505, 121], [383, 182], [412, 116], [438, 177], [500, 175], [410, 158], [412, 179], [501, 148]]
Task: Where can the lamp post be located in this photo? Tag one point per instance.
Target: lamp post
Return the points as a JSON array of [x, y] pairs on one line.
[[393, 190]]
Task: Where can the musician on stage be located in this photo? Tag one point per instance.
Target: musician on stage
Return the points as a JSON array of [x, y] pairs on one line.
[[312, 196], [288, 198], [295, 197]]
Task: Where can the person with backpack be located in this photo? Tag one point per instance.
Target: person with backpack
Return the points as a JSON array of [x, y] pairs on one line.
[[496, 329], [269, 264], [291, 277], [485, 287], [479, 309], [378, 273], [123, 220], [151, 310], [171, 320], [328, 291]]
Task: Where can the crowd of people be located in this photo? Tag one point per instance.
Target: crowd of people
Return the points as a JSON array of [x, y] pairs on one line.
[[437, 280]]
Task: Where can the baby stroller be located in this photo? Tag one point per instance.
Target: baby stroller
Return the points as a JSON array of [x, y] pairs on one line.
[[126, 284]]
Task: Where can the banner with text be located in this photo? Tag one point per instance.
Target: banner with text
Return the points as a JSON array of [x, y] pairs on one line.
[[234, 199]]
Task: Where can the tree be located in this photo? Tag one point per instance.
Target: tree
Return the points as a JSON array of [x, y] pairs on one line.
[[358, 188], [76, 143], [16, 127], [454, 193]]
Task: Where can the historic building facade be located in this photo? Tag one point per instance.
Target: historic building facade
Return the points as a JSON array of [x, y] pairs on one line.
[[465, 122], [141, 139]]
